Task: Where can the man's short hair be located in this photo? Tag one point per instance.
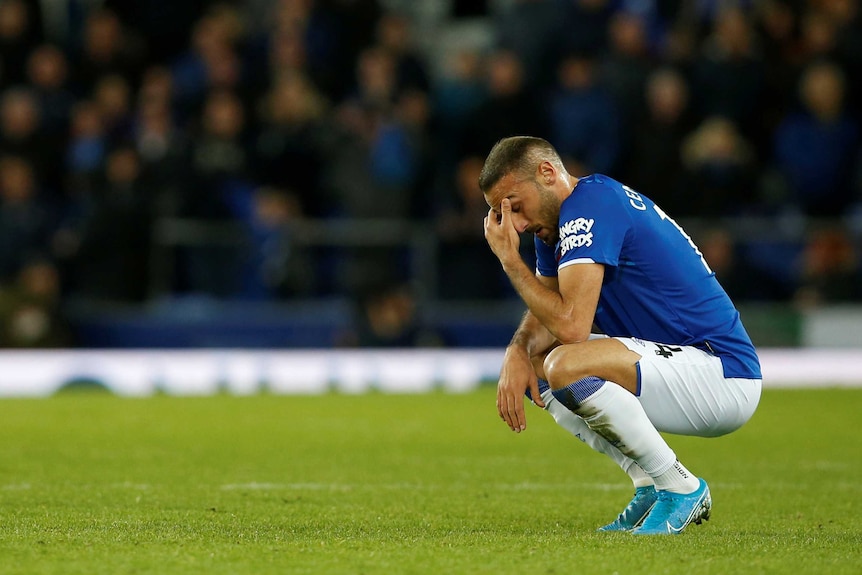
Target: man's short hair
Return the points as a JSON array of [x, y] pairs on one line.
[[516, 154]]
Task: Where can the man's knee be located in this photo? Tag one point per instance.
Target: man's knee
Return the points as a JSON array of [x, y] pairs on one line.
[[562, 368], [607, 359], [569, 377]]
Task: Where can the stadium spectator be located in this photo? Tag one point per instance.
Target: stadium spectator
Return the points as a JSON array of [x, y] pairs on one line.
[[21, 135], [274, 267], [26, 221], [467, 268], [817, 147], [624, 67], [47, 72], [376, 80], [86, 150], [742, 281], [830, 270], [354, 25], [515, 28], [220, 162], [455, 95], [30, 313], [395, 36], [401, 155], [719, 171], [352, 181], [210, 63], [848, 18], [113, 97], [585, 122], [776, 23], [387, 316], [285, 57], [20, 32], [156, 86], [107, 48], [728, 74], [510, 106], [654, 160], [225, 68], [219, 155], [830, 31], [162, 145], [304, 37], [819, 36], [291, 144], [112, 258]]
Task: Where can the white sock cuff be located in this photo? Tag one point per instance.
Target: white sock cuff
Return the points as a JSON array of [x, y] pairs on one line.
[[658, 463], [677, 479]]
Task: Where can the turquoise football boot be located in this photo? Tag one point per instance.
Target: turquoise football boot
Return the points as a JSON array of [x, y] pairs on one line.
[[674, 511], [635, 512]]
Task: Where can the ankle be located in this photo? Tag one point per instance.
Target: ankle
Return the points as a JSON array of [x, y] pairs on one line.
[[677, 479]]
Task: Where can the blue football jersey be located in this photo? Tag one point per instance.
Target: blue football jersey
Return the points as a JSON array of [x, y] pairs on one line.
[[657, 285]]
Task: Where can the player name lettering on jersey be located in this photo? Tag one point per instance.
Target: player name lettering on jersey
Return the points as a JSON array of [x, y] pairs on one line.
[[576, 233]]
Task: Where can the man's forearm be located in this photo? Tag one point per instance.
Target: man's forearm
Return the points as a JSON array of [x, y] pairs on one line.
[[532, 336], [545, 305]]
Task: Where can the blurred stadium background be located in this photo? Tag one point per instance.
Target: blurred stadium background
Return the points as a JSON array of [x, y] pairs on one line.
[[295, 180]]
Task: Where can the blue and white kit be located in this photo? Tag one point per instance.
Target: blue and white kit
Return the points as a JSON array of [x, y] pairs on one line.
[[699, 373]]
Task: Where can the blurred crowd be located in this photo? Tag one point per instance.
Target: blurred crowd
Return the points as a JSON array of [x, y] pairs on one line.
[[117, 115]]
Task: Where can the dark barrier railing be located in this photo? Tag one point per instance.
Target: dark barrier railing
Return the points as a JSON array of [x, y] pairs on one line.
[[423, 244], [417, 238]]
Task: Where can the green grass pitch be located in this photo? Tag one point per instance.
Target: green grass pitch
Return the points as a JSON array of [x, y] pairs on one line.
[[395, 484]]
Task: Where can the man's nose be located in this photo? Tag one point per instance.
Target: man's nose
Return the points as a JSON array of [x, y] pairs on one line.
[[520, 223]]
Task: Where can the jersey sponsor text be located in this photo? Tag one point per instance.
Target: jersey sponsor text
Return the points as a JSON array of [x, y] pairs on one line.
[[576, 233]]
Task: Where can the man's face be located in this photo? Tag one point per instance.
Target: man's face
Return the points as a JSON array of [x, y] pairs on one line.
[[535, 209]]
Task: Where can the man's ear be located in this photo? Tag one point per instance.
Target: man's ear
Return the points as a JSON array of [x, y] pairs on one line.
[[547, 173]]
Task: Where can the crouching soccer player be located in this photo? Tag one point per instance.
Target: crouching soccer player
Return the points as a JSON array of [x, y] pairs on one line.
[[674, 356]]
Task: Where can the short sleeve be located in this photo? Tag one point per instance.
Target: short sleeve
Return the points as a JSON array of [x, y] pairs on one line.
[[546, 259], [593, 226]]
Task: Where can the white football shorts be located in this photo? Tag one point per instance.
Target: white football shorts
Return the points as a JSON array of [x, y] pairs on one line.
[[683, 390]]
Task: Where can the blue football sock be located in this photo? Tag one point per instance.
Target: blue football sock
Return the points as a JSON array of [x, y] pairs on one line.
[[543, 387], [573, 394]]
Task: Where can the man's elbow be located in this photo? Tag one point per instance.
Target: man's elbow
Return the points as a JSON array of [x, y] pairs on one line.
[[568, 333]]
